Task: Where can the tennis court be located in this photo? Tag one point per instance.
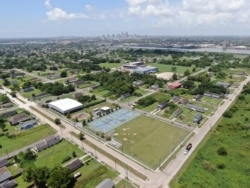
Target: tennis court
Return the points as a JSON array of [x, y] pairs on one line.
[[109, 122]]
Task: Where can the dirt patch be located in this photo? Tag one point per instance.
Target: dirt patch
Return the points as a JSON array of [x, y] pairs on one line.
[[165, 75]]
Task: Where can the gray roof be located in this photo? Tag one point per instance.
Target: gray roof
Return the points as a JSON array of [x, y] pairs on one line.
[[4, 174], [107, 183], [4, 162], [53, 139], [74, 165], [8, 184]]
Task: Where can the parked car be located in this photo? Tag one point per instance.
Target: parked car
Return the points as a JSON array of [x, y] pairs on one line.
[[188, 148]]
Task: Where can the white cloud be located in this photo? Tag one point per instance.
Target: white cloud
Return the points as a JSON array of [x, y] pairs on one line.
[[59, 14], [88, 7], [56, 14], [192, 12], [47, 4]]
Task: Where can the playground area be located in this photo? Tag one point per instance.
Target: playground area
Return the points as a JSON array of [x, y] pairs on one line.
[[113, 120]]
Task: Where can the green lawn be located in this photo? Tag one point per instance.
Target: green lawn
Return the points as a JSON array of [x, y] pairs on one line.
[[207, 168], [168, 68], [24, 138], [54, 155], [141, 138], [101, 92], [124, 184], [110, 65]]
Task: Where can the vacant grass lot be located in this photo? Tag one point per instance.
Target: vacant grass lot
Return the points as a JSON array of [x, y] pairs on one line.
[[168, 68], [110, 65], [149, 140], [24, 138], [54, 155], [208, 168]]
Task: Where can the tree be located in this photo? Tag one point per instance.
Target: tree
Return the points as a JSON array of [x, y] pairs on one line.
[[84, 123], [174, 69], [81, 136], [174, 77], [57, 121], [2, 124], [40, 176], [60, 178], [222, 151], [63, 74], [187, 72], [29, 155]]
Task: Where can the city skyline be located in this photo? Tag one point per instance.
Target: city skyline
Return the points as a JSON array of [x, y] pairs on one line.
[[52, 18]]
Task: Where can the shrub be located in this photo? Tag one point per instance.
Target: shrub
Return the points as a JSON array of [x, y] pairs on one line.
[[67, 158], [222, 151], [221, 166]]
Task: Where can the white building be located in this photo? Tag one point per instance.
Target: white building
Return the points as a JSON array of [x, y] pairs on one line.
[[65, 105]]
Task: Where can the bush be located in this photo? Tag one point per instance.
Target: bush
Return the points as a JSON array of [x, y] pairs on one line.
[[222, 151], [67, 158], [221, 166]]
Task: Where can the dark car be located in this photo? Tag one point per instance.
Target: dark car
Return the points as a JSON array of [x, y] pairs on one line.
[[189, 146]]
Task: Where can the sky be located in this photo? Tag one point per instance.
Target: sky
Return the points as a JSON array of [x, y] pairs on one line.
[[53, 18]]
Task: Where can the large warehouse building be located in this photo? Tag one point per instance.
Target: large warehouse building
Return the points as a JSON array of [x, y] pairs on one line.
[[65, 105]]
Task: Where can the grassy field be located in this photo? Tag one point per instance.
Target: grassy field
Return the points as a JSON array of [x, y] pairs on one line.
[[101, 92], [168, 68], [54, 155], [110, 65], [208, 167], [141, 137], [24, 138]]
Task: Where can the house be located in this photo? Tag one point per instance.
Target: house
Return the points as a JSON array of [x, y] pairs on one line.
[[177, 112], [7, 105], [74, 165], [28, 89], [196, 108], [197, 118], [18, 118], [8, 184], [7, 114], [198, 97], [175, 99], [27, 125], [124, 96], [183, 101], [223, 84], [213, 95], [79, 82], [107, 183], [45, 143], [97, 111], [4, 162], [174, 85], [138, 83], [162, 105], [155, 87], [77, 95], [72, 79], [4, 174]]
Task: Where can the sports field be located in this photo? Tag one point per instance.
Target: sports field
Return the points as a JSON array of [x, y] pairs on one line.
[[149, 140]]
